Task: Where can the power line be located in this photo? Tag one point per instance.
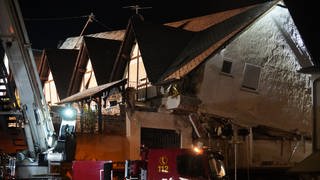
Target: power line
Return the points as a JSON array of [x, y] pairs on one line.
[[99, 22], [91, 18], [57, 18]]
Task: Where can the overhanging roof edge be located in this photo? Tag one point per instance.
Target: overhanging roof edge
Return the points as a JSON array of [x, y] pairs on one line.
[[88, 93]]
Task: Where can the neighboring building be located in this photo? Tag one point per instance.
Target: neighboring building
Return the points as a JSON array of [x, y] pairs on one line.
[[100, 104]]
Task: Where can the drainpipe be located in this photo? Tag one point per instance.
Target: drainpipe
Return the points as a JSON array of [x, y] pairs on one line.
[[316, 116]]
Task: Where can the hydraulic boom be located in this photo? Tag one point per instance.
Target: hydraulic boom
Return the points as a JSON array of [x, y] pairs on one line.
[[38, 125]]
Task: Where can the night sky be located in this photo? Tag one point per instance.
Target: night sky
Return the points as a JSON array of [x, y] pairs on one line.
[[305, 16], [49, 22]]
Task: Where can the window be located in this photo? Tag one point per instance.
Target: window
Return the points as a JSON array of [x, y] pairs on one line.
[[50, 90], [137, 76], [226, 67], [251, 76], [89, 79]]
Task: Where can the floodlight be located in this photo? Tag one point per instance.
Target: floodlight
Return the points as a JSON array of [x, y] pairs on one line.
[[69, 113]]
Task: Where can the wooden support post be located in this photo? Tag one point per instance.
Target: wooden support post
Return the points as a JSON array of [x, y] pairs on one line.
[[99, 114]]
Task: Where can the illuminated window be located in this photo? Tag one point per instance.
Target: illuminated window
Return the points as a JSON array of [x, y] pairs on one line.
[[89, 79], [50, 90]]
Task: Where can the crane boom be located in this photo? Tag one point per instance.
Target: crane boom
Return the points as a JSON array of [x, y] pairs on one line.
[[38, 125]]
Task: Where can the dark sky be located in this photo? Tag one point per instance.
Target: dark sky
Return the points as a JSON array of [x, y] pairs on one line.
[[49, 22], [305, 16]]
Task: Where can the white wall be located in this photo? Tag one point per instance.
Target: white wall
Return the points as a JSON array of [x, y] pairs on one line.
[[283, 99]]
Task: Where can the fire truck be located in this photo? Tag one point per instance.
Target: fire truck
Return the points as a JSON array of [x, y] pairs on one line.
[[162, 164], [44, 145]]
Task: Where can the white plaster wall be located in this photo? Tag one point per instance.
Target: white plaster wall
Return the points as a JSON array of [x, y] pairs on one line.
[[283, 99]]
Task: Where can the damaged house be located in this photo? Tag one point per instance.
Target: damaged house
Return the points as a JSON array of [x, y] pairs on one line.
[[235, 72], [229, 80]]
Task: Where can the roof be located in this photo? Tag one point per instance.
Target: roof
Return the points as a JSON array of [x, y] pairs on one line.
[[61, 63], [43, 67], [102, 53], [159, 45], [203, 22], [166, 50], [216, 36], [2, 55], [75, 42], [92, 92], [37, 54], [2, 52]]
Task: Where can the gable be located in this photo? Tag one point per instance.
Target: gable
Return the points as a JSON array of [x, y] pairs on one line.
[[61, 63], [159, 45], [102, 53]]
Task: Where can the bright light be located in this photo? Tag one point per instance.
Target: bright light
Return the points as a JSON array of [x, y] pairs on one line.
[[50, 141], [198, 147], [69, 113], [222, 172], [197, 150]]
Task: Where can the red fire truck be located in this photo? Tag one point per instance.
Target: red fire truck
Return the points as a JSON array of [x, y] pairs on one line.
[[156, 164]]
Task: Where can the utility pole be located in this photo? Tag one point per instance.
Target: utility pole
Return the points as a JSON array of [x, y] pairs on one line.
[[91, 17]]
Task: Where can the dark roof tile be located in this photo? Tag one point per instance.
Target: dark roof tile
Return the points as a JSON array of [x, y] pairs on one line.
[[206, 38], [61, 63], [102, 53], [159, 45]]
